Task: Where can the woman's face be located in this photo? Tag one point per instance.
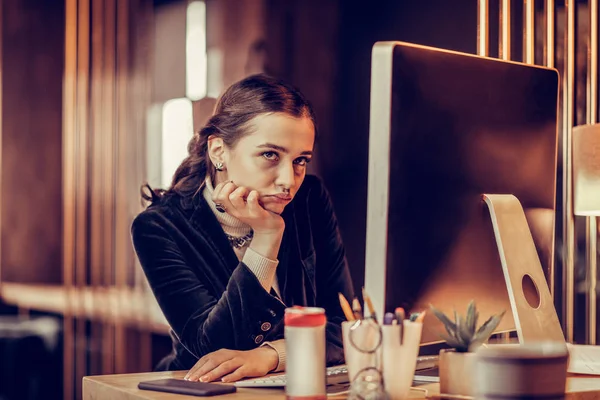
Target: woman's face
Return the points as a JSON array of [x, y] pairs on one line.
[[271, 159]]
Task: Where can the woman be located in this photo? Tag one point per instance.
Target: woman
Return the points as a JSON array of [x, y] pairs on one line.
[[241, 234]]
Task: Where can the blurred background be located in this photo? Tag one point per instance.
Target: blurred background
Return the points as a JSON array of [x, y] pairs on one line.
[[99, 96]]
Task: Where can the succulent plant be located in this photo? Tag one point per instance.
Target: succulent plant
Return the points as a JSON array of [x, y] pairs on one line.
[[463, 334]]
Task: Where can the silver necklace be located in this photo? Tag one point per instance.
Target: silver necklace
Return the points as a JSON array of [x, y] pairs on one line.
[[240, 241]]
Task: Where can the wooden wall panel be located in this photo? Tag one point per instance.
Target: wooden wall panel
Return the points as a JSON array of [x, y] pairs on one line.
[[31, 191], [169, 51], [303, 44], [234, 26]]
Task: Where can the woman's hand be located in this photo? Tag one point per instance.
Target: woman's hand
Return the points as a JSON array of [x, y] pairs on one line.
[[233, 365], [244, 205]]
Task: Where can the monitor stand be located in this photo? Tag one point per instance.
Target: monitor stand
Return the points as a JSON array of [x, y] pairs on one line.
[[530, 299]]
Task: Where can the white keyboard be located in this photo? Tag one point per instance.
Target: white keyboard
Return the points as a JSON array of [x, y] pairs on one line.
[[335, 375]]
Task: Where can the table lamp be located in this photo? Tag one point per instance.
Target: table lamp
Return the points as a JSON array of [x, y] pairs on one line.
[[586, 202], [586, 170]]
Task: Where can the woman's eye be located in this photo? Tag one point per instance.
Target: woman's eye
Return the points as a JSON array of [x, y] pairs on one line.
[[270, 155], [302, 161]]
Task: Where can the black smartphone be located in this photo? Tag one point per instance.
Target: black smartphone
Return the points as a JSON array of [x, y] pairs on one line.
[[180, 386]]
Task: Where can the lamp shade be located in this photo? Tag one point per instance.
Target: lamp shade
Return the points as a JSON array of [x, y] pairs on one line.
[[586, 170]]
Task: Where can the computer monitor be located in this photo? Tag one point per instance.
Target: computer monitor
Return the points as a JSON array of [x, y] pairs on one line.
[[446, 128]]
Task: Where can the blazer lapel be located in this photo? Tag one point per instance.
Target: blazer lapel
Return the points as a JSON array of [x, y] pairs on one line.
[[207, 224]]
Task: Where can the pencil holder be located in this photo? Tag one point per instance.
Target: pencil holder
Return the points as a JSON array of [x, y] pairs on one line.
[[399, 357], [362, 341]]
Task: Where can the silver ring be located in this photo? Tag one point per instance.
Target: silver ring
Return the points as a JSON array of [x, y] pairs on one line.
[[220, 207]]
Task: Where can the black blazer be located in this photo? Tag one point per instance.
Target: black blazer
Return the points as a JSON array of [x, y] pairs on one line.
[[213, 301]]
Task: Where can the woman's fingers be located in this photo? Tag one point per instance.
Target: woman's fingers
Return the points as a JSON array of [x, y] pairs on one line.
[[236, 375], [245, 204], [217, 191], [238, 198], [222, 197], [252, 201], [199, 372], [208, 363], [192, 372], [222, 369]]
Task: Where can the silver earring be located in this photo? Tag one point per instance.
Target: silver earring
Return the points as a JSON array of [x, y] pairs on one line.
[[219, 166]]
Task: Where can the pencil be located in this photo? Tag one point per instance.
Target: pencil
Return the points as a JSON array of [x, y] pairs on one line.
[[369, 304], [358, 314], [346, 308], [421, 317], [400, 315]]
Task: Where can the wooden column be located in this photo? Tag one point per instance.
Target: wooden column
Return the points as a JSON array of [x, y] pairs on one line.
[[106, 95]]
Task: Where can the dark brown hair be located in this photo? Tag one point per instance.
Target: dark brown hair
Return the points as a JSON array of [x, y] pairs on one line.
[[240, 103]]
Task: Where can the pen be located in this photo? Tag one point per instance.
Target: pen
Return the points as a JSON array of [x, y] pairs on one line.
[[357, 309], [346, 308], [388, 318], [369, 305]]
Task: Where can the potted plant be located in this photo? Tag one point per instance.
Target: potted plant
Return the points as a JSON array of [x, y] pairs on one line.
[[456, 365]]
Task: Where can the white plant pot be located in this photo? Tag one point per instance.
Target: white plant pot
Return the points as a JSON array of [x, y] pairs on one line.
[[457, 372]]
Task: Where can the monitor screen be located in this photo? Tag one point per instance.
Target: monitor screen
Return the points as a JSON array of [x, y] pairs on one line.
[[446, 128]]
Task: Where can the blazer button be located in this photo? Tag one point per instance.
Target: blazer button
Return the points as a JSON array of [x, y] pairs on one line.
[[265, 327], [258, 339]]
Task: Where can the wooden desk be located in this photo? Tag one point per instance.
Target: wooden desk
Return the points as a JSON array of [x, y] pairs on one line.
[[124, 387]]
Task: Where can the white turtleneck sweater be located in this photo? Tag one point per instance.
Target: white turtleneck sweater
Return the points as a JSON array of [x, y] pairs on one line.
[[263, 268]]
